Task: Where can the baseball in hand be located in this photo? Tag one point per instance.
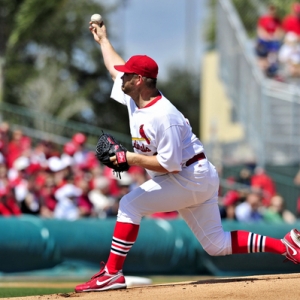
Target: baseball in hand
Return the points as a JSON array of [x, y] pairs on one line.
[[97, 19]]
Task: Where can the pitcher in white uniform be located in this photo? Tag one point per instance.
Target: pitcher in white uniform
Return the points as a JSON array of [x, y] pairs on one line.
[[182, 178]]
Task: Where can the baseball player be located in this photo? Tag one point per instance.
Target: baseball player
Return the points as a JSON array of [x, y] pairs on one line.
[[182, 178]]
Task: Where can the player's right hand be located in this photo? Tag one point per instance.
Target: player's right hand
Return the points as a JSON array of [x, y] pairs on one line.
[[98, 32]]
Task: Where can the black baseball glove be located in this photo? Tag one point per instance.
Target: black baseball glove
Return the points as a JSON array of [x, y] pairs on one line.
[[107, 147]]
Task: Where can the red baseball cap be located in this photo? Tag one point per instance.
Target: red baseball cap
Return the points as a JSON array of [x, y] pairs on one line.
[[70, 148], [140, 64], [79, 138]]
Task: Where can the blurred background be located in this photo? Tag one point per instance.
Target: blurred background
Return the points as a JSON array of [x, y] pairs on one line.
[[232, 67]]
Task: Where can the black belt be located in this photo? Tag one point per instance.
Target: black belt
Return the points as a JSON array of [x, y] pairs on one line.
[[197, 157]]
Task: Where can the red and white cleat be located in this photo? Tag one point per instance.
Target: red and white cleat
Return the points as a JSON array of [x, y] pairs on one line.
[[292, 244], [103, 281]]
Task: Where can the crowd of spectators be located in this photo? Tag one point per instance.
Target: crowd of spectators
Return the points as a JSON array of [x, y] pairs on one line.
[[58, 182], [69, 183], [253, 197], [278, 44]]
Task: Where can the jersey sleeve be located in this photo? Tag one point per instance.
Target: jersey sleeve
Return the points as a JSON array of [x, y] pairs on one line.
[[117, 93], [169, 149]]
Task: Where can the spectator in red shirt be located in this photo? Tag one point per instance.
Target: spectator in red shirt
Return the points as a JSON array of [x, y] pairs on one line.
[[83, 202], [264, 183], [291, 23], [269, 26], [18, 146], [269, 35], [8, 205]]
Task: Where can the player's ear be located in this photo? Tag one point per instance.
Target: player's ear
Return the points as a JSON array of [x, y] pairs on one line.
[[140, 79]]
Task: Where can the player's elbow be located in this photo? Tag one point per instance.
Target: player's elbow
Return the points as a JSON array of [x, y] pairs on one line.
[[113, 76], [113, 72]]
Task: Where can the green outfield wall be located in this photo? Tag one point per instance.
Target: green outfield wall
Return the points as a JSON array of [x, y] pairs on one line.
[[163, 247]]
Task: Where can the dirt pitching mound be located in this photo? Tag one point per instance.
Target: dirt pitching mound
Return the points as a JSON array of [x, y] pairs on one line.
[[250, 287]]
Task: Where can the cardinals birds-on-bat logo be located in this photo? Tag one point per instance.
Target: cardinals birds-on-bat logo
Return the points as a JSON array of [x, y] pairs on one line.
[[143, 135]]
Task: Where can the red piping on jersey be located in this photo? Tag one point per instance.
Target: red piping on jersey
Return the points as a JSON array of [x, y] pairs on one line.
[[153, 101]]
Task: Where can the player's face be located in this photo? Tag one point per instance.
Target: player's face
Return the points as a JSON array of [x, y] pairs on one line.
[[128, 85]]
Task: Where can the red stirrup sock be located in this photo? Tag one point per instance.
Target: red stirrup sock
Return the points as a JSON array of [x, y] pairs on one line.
[[248, 242], [124, 236]]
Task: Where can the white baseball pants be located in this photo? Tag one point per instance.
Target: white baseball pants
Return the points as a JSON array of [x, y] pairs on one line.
[[193, 192]]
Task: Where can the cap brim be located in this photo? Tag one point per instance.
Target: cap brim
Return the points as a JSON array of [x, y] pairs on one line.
[[122, 68]]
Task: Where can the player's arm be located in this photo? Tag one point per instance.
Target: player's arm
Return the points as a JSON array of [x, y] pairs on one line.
[[148, 162], [169, 157], [110, 56]]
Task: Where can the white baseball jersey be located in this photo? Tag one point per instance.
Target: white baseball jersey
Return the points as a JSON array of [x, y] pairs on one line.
[[159, 129]]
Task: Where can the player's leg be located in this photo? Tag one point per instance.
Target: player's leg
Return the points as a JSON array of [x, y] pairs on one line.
[[159, 195], [204, 220], [156, 195]]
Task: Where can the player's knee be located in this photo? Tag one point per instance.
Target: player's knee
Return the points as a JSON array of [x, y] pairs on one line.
[[124, 205], [218, 244], [127, 212], [212, 250]]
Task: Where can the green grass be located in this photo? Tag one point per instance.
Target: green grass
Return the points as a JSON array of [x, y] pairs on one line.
[[9, 292], [22, 292]]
